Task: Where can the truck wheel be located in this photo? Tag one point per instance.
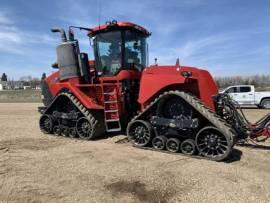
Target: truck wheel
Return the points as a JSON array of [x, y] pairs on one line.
[[265, 104]]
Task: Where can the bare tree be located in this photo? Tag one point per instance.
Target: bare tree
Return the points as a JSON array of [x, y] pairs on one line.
[[257, 80]]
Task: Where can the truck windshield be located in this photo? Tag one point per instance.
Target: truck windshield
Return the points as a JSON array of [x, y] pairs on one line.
[[119, 49]]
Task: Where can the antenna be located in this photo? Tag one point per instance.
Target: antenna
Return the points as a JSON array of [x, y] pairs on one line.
[[99, 13]]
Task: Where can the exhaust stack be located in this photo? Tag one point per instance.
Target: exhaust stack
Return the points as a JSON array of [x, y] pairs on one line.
[[70, 61], [62, 32]]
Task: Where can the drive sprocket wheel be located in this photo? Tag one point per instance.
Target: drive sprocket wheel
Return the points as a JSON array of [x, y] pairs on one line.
[[46, 124], [173, 107], [140, 133], [85, 129], [188, 147], [159, 142], [213, 144], [173, 145]]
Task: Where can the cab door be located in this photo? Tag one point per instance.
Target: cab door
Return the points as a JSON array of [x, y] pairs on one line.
[[232, 91], [245, 95]]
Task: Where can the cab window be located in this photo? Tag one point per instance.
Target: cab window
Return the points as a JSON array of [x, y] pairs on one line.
[[231, 90], [245, 89]]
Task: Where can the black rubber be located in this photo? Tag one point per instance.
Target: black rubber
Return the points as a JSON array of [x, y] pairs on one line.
[[65, 131], [140, 133], [46, 124], [173, 145], [265, 104], [72, 133], [57, 130], [159, 142], [172, 107], [212, 144], [94, 117], [188, 147], [85, 129]]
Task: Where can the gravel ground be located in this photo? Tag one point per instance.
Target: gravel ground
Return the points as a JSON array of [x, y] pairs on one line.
[[40, 168]]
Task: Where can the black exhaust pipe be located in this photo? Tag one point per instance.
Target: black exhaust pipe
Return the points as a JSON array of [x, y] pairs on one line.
[[62, 32]]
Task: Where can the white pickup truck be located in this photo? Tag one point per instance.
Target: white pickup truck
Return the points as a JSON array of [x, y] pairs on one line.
[[246, 95]]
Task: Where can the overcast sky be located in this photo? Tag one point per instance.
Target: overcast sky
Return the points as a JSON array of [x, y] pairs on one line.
[[229, 37]]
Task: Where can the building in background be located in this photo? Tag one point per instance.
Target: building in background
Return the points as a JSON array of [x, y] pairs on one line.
[[3, 85]]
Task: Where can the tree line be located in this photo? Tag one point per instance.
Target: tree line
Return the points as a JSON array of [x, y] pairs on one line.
[[222, 82], [256, 80], [32, 82]]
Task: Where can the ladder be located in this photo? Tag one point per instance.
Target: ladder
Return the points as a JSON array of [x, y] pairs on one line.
[[111, 110]]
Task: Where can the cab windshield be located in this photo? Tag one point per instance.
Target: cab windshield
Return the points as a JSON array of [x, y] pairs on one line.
[[119, 50]]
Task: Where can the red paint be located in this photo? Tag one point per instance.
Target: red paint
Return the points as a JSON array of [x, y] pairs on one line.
[[123, 24], [157, 79], [153, 80]]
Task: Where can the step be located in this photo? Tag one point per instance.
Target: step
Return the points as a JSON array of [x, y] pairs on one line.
[[109, 93], [109, 102], [112, 120], [114, 130], [110, 111]]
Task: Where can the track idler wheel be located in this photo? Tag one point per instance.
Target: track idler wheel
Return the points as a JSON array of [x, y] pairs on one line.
[[46, 124], [159, 142], [72, 133], [65, 131], [188, 147], [85, 129], [173, 145], [140, 133], [57, 130], [213, 144]]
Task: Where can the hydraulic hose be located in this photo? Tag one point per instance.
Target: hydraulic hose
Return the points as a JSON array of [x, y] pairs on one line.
[[239, 121]]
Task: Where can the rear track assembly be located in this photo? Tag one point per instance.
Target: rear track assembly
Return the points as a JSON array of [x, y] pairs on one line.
[[86, 127]]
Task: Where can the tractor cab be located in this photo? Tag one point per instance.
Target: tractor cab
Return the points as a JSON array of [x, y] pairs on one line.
[[119, 46]]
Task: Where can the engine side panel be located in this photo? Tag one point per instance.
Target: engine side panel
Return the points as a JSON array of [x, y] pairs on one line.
[[156, 79], [73, 85]]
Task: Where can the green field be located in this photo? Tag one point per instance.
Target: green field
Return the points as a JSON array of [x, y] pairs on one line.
[[20, 96]]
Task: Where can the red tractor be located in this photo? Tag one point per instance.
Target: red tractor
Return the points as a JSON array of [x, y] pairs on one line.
[[164, 107]]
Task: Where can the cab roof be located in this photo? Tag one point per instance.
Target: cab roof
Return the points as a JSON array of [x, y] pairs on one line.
[[114, 25]]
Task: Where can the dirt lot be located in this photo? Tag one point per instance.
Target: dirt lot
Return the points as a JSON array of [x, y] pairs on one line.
[[39, 168]]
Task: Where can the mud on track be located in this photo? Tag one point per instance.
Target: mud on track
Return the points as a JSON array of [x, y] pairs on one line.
[[39, 168]]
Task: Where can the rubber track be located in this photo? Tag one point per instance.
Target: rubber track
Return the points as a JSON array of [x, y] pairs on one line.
[[185, 156], [83, 110], [206, 112]]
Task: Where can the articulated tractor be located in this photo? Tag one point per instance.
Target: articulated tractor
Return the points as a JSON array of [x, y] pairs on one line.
[[172, 107]]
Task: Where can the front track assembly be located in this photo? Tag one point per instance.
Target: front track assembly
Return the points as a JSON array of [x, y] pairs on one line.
[[211, 137]]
